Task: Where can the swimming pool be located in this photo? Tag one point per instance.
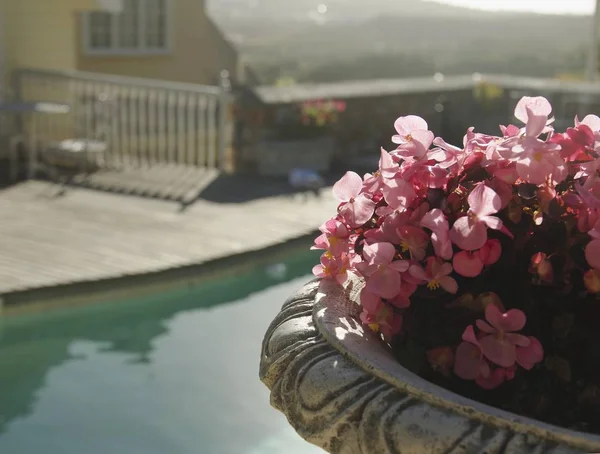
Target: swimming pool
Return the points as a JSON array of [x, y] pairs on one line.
[[174, 373]]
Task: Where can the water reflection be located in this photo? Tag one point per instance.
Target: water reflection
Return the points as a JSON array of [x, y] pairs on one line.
[[157, 375]]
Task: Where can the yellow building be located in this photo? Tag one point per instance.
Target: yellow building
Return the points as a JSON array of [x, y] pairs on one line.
[[161, 39]]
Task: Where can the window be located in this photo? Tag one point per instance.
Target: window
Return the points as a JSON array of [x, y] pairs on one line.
[[142, 27]]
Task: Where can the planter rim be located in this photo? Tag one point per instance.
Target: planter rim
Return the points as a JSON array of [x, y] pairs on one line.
[[332, 309]]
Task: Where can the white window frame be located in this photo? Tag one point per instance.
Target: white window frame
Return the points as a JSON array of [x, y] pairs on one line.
[[114, 36]]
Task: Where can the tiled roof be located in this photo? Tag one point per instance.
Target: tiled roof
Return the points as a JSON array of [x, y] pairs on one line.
[[270, 94]]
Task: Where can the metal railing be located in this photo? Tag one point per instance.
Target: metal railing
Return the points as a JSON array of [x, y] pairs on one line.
[[144, 122]]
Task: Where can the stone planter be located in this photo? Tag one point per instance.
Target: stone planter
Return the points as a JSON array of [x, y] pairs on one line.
[[341, 389]]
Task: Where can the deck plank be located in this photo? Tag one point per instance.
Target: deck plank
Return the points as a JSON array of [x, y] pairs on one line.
[[88, 235]]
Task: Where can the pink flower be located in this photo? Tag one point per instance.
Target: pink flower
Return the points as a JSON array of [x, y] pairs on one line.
[[413, 138], [467, 264], [575, 143], [503, 189], [500, 345], [469, 362], [470, 232], [445, 154], [495, 378], [592, 122], [333, 268], [413, 240], [436, 274], [402, 299], [398, 193], [334, 238], [436, 221], [490, 252], [592, 253], [356, 208], [534, 112], [381, 272], [529, 356], [423, 176], [537, 161], [588, 204], [387, 169], [385, 320]]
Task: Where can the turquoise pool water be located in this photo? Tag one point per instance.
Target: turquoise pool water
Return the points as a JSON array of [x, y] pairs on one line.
[[174, 373]]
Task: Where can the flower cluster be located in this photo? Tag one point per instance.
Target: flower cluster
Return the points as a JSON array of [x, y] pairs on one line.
[[435, 215], [321, 112]]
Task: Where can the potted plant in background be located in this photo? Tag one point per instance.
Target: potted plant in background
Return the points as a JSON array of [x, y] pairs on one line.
[[303, 138], [457, 306]]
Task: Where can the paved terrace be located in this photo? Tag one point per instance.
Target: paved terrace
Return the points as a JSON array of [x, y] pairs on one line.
[[87, 235]]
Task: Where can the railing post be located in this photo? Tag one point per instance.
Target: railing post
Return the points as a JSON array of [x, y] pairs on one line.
[[16, 84], [223, 128]]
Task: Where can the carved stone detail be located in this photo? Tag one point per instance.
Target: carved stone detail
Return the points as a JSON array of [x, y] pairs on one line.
[[341, 389]]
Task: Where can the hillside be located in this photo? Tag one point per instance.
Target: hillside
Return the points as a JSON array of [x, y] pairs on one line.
[[283, 38]]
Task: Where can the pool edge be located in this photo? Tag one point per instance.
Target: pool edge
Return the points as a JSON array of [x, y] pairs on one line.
[[138, 285]]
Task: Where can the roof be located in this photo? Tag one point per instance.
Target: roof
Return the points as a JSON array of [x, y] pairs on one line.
[[270, 94]]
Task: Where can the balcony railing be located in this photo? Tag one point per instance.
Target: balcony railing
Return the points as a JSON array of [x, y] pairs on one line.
[[144, 122]]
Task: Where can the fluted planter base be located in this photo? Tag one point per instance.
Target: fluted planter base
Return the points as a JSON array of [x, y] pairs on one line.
[[341, 389]]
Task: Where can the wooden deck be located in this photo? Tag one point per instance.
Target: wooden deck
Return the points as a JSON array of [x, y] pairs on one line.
[[180, 183], [87, 235]]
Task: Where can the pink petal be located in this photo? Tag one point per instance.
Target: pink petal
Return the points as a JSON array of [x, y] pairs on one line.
[[467, 264], [449, 284], [318, 271], [425, 138], [535, 124], [370, 302], [485, 327], [495, 379], [400, 265], [347, 187], [534, 172], [498, 351], [387, 166], [492, 222], [513, 320], [468, 235], [469, 335], [435, 220], [490, 252], [398, 193], [379, 253], [529, 356], [357, 213], [484, 201], [467, 361], [442, 248], [444, 270], [591, 121], [384, 283], [592, 254], [517, 339], [418, 272], [411, 149], [537, 106], [409, 124], [400, 301]]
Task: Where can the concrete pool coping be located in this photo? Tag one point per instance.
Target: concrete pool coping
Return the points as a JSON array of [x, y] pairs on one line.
[[139, 285]]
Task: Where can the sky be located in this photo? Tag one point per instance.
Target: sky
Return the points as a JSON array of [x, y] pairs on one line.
[[539, 6]]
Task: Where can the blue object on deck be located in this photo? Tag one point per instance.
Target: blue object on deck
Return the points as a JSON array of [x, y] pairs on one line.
[[305, 179], [49, 107]]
